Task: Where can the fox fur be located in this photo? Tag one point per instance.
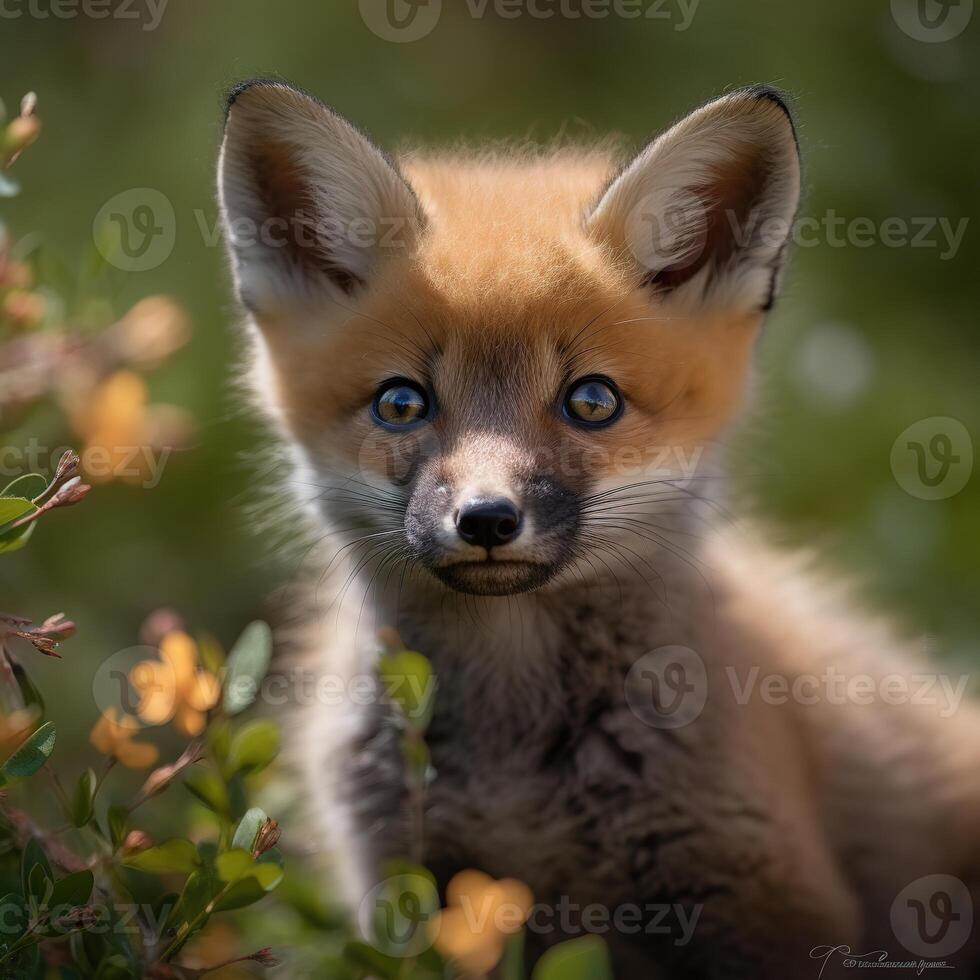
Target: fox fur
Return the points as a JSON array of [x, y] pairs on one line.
[[492, 280]]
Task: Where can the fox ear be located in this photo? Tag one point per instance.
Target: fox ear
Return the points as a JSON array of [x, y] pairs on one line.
[[704, 213], [309, 204]]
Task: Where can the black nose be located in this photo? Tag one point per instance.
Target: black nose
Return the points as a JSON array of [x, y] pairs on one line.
[[488, 522]]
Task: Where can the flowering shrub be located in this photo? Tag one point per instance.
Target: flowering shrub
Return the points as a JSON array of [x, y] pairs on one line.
[[89, 893]]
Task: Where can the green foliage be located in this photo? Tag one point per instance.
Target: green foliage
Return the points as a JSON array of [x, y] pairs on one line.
[[31, 755], [173, 855], [248, 663], [73, 890], [253, 748], [82, 807], [56, 901], [578, 959]]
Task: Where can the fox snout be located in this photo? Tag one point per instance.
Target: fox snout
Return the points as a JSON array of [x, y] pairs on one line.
[[488, 522], [483, 523]]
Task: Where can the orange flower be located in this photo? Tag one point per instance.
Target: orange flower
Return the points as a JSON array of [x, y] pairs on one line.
[[115, 737], [14, 728], [175, 687], [120, 428], [481, 914], [151, 331]]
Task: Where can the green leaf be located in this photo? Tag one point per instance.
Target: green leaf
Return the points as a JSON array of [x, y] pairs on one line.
[[210, 653], [247, 829], [247, 666], [418, 760], [82, 801], [408, 681], [578, 959], [114, 967], [193, 910], [402, 906], [13, 507], [31, 695], [29, 486], [172, 855], [32, 754], [238, 864], [33, 857], [233, 865], [72, 890], [245, 892], [10, 509], [210, 790], [39, 886], [117, 817], [376, 963], [253, 747], [16, 538], [219, 740], [316, 909], [16, 916]]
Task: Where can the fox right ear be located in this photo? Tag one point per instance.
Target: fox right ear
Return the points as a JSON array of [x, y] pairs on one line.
[[704, 213], [310, 206]]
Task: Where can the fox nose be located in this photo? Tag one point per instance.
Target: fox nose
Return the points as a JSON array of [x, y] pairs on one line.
[[488, 522]]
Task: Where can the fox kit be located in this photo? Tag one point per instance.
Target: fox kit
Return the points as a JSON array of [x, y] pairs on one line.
[[503, 376]]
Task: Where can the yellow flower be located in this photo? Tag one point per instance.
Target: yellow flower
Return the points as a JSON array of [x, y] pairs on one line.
[[112, 736], [175, 687], [481, 914]]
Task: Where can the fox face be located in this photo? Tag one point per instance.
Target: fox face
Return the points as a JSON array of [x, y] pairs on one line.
[[500, 366]]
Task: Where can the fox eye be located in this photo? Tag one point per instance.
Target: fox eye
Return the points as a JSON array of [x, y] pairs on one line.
[[400, 403], [593, 401]]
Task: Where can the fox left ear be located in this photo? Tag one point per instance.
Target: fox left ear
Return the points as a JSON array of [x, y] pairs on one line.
[[311, 207], [704, 213]]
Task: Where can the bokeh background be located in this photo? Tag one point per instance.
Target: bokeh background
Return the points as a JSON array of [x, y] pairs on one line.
[[864, 342]]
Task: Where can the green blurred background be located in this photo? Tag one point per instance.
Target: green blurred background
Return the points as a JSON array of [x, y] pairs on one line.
[[865, 341]]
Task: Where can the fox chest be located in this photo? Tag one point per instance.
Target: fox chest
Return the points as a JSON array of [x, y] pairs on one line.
[[565, 810]]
